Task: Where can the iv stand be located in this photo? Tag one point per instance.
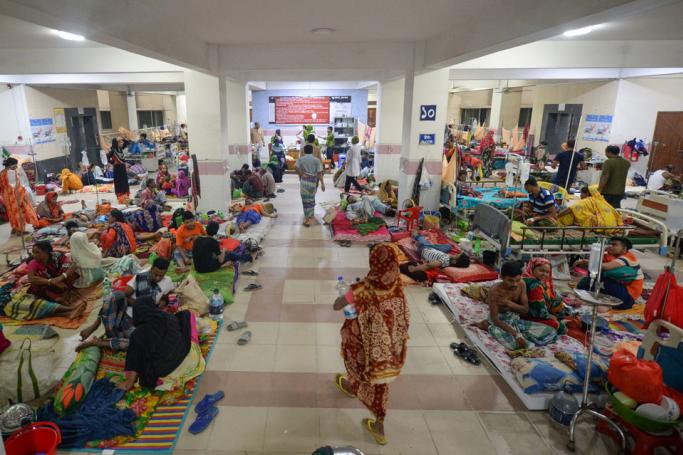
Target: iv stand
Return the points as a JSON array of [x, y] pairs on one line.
[[584, 407]]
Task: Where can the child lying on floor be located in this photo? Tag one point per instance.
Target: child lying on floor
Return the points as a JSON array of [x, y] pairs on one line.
[[507, 300]]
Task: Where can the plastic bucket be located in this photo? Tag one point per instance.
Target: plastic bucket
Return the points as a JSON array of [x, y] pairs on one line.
[[38, 437]]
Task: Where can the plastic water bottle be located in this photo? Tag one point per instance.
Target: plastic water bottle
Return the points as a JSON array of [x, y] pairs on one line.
[[216, 306], [342, 289]]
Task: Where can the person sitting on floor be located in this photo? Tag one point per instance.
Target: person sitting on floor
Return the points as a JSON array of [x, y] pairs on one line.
[[238, 177], [164, 180], [207, 254], [116, 313], [86, 175], [86, 261], [388, 194], [542, 208], [253, 186], [185, 236], [268, 183], [119, 239], [150, 194], [621, 275], [544, 304], [507, 300], [163, 351], [70, 181], [359, 210], [182, 184], [49, 211]]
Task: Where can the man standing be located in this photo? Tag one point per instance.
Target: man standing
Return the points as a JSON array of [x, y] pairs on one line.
[[258, 142], [569, 161], [353, 165], [613, 179]]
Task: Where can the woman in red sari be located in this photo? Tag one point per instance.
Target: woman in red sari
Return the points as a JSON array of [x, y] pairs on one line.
[[374, 344], [15, 196]]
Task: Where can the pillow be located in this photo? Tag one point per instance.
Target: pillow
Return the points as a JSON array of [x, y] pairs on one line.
[[475, 272], [577, 362], [545, 375], [77, 381]]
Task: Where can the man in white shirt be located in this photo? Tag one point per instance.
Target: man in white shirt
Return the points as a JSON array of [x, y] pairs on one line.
[[353, 159], [658, 179]]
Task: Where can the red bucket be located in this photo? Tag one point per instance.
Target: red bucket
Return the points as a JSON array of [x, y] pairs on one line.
[[38, 437]]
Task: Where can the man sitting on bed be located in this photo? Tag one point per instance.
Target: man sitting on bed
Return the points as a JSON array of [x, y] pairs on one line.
[[541, 210], [359, 210]]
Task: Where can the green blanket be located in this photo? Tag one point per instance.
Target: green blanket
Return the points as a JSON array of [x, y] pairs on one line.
[[223, 280], [372, 225]]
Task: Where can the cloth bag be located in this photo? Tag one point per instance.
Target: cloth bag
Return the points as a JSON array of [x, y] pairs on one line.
[[25, 373], [192, 297]]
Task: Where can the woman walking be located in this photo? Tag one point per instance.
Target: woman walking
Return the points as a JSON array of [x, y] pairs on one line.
[[310, 170], [374, 343], [115, 158]]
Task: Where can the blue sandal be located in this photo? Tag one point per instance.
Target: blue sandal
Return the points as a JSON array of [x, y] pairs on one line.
[[208, 401], [203, 420]]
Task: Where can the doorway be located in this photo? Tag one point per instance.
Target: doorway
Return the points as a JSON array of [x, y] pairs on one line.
[[667, 142], [81, 127], [560, 125]]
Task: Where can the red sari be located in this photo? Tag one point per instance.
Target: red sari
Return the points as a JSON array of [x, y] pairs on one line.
[[374, 345], [11, 197]]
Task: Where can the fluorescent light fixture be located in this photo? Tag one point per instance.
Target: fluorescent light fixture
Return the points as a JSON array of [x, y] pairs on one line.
[[581, 31], [69, 36], [323, 31]]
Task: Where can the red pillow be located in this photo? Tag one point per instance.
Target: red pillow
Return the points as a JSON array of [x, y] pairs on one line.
[[230, 244]]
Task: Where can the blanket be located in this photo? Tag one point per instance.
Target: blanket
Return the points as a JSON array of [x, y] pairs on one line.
[[344, 230]]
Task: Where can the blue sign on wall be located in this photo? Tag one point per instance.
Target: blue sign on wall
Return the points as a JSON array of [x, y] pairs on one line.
[[428, 112], [427, 139]]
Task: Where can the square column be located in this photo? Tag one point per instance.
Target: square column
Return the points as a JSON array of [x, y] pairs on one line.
[[424, 115], [132, 112], [237, 116], [390, 97], [204, 129]]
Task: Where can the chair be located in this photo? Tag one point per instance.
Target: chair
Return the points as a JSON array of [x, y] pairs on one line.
[[410, 215]]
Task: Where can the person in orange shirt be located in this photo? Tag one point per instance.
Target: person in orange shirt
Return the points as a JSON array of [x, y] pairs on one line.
[[119, 239], [185, 236]]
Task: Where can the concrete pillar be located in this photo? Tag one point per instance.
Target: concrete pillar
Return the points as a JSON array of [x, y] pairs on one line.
[[204, 129], [237, 115], [132, 112], [505, 109], [181, 108], [389, 129], [426, 89]]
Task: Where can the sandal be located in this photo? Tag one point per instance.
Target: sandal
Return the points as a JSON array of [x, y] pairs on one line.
[[379, 438], [280, 190], [466, 353], [208, 401], [244, 338], [338, 380], [236, 325], [250, 273], [253, 287], [434, 299], [203, 420]]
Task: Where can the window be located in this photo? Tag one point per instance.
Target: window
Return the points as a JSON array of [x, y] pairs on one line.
[[524, 117], [149, 119], [105, 120], [481, 114]]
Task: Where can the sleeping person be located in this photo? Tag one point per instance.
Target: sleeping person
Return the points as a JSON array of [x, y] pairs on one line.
[[360, 210]]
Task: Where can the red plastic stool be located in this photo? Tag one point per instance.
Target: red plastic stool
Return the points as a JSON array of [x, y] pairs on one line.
[[410, 216], [644, 443]]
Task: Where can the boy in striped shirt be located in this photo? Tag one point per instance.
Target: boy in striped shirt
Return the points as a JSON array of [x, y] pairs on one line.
[[542, 206]]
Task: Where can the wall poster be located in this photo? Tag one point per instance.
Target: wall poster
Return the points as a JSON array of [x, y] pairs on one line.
[[42, 131], [597, 128], [299, 110], [340, 106], [60, 120]]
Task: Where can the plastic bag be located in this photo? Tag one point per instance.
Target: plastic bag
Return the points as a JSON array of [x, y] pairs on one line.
[[425, 180], [673, 312], [641, 380]]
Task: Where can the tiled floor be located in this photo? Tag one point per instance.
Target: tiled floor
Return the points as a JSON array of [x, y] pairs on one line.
[[280, 397]]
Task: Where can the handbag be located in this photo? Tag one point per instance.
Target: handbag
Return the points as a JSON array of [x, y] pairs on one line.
[[25, 373], [192, 297]]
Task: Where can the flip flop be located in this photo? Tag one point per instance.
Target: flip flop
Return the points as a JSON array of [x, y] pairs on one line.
[[466, 353], [338, 382], [203, 420], [236, 325], [253, 287], [280, 190], [379, 438], [244, 338], [208, 401], [250, 273], [434, 299]]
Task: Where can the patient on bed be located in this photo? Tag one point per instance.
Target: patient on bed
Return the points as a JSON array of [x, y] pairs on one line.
[[507, 300]]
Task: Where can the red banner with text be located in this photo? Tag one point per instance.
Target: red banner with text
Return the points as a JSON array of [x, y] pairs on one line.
[[301, 110]]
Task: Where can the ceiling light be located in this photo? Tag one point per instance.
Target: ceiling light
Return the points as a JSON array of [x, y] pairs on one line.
[[323, 31], [69, 36], [581, 31]]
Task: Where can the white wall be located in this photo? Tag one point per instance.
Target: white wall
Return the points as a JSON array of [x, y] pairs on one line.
[[157, 102], [118, 105], [41, 102], [596, 98], [13, 115], [389, 129]]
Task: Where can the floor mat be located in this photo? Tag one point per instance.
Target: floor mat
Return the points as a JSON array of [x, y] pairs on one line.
[[159, 422], [344, 230]]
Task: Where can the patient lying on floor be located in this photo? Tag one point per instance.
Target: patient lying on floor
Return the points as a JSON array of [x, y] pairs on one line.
[[360, 210]]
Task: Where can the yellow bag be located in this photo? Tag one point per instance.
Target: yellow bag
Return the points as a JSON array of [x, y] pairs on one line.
[[431, 222], [192, 297]]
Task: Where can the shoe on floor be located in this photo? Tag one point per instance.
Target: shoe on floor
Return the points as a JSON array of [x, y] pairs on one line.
[[203, 420], [209, 400]]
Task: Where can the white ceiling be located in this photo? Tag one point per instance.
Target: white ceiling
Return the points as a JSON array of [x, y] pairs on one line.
[[17, 34]]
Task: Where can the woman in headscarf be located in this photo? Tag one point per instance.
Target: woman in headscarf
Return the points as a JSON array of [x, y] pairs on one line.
[[70, 181], [86, 261], [165, 181], [115, 158], [163, 351], [544, 304], [387, 194], [16, 197], [374, 344], [119, 239], [49, 211], [591, 211], [182, 184]]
